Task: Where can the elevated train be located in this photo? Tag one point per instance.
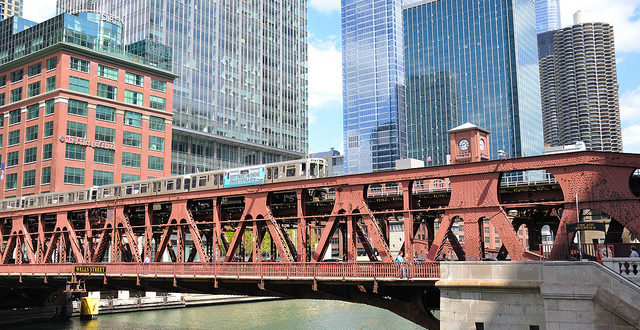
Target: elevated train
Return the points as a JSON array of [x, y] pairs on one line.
[[293, 170]]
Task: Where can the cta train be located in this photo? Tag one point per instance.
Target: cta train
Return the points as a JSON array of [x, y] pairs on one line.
[[293, 170]]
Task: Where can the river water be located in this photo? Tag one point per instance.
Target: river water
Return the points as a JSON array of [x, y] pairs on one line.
[[276, 315]]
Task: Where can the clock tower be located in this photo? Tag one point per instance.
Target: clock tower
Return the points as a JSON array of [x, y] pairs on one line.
[[468, 143]]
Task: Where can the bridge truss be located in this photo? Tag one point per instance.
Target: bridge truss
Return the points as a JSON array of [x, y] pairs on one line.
[[299, 219]]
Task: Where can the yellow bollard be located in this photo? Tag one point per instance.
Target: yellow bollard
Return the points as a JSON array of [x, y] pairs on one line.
[[89, 308]]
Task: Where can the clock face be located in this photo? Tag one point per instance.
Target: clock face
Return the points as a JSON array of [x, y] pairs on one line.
[[481, 143], [463, 144]]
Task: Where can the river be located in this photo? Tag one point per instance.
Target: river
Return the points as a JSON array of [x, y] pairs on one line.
[[280, 315]]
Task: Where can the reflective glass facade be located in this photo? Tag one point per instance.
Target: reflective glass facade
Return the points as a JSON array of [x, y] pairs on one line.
[[547, 15], [242, 93], [373, 85], [470, 61]]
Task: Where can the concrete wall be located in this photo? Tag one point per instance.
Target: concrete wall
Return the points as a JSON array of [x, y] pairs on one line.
[[550, 295]]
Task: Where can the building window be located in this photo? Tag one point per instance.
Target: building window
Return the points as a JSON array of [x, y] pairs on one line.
[[16, 94], [75, 152], [35, 69], [11, 181], [49, 107], [103, 156], [101, 178], [107, 91], [107, 72], [1, 143], [32, 133], [105, 134], [105, 113], [33, 111], [132, 97], [156, 143], [30, 155], [134, 79], [157, 103], [73, 175], [15, 116], [51, 83], [76, 129], [2, 99], [79, 64], [130, 159], [79, 85], [78, 108], [158, 85], [156, 163], [156, 123], [13, 158], [133, 118], [129, 177], [46, 175], [17, 75], [132, 139], [47, 151], [14, 138], [29, 178], [33, 89], [486, 230], [3, 81], [497, 240], [52, 63], [48, 129], [486, 240]]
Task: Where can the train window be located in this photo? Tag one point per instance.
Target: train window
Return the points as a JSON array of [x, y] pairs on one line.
[[178, 184], [313, 169], [215, 180], [156, 186], [275, 173], [94, 194], [268, 174], [143, 188], [291, 171], [170, 185], [193, 182], [128, 190], [117, 191], [71, 197], [60, 198], [136, 189], [202, 181], [303, 170]]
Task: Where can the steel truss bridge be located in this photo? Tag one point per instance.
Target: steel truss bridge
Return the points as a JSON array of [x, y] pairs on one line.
[[205, 233]]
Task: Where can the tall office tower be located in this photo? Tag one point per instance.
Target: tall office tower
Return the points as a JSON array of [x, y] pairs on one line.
[[470, 61], [583, 100], [242, 93], [547, 15], [373, 85], [10, 8], [548, 100]]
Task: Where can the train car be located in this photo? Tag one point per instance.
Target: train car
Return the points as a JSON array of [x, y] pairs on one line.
[[300, 169]]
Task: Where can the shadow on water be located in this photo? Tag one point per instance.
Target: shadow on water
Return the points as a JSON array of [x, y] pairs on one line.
[[281, 315]]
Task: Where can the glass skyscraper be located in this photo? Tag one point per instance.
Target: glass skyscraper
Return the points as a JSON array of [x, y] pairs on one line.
[[242, 93], [373, 85], [477, 62], [547, 15]]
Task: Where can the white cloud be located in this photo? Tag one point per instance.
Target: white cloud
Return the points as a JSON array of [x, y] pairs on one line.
[[325, 73], [622, 14], [631, 139], [39, 10], [325, 6]]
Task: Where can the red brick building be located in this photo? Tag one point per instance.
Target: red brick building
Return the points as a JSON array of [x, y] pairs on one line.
[[76, 117]]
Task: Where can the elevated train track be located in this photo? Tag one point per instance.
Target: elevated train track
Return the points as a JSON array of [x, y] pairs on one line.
[[214, 224]]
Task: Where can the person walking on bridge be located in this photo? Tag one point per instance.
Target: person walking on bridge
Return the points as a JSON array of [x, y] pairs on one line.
[[634, 252], [400, 261]]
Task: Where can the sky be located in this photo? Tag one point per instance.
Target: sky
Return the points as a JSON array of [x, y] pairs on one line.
[[325, 63]]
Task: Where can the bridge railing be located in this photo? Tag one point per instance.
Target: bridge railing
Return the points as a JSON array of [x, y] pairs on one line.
[[589, 251], [379, 270]]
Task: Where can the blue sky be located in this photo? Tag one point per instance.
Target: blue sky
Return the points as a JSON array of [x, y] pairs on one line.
[[325, 99]]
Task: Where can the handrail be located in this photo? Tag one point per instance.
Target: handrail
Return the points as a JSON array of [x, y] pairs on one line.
[[342, 270]]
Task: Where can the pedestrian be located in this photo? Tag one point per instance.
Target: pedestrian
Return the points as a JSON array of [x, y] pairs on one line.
[[634, 252], [400, 261]]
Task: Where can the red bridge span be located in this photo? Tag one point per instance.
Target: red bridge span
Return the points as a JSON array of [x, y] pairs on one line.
[[223, 232]]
